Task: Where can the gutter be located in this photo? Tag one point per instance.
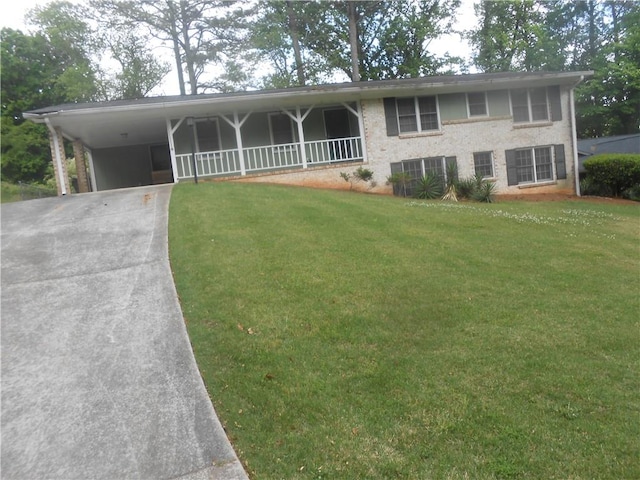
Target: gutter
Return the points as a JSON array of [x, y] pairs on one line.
[[350, 90], [58, 160]]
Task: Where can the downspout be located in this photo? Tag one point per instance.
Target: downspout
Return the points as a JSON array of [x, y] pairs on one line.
[[574, 138], [56, 146]]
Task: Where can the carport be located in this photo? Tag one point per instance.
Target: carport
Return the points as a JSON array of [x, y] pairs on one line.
[[129, 143]]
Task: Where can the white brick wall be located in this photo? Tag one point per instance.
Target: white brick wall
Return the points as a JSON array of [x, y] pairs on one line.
[[462, 138]]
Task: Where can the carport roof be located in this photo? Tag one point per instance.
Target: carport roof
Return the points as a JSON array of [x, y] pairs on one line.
[[143, 120]]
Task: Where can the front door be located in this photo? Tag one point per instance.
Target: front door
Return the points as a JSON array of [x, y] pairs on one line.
[[337, 126]]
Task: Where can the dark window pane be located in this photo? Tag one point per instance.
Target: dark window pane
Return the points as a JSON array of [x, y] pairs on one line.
[[483, 164], [544, 170], [281, 129], [520, 105], [407, 115], [539, 110], [524, 164], [477, 104]]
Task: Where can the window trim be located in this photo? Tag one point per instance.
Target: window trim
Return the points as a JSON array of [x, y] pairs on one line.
[[418, 114], [486, 107], [491, 163], [529, 107], [534, 165]]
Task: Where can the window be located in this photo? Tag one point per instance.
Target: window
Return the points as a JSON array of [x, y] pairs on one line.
[[207, 135], [533, 165], [529, 105], [418, 168], [483, 163], [281, 128], [417, 114], [477, 104]]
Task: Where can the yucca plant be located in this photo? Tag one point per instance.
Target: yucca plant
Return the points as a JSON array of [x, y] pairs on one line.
[[429, 187], [484, 192], [452, 183]]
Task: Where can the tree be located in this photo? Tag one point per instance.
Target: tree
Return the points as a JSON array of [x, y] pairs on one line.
[[511, 36], [140, 72], [609, 103], [198, 31], [30, 69], [64, 27], [528, 35]]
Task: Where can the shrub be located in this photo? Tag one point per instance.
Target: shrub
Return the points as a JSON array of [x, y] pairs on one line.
[[484, 192], [399, 180], [363, 174], [616, 171], [429, 187], [466, 187]]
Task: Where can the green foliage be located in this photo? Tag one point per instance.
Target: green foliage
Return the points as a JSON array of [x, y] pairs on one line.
[[614, 171], [409, 344], [556, 35], [429, 187], [484, 192], [25, 151], [465, 187], [508, 36], [399, 180], [308, 42], [363, 174]]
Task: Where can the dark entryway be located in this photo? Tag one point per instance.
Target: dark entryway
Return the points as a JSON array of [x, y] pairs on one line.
[[337, 126], [161, 164]]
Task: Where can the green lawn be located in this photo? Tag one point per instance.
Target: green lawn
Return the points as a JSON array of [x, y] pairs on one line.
[[345, 335]]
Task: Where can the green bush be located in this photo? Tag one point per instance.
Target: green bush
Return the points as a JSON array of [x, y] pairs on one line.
[[484, 192], [429, 187], [615, 171]]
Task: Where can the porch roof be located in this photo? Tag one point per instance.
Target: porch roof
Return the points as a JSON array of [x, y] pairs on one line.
[[143, 120]]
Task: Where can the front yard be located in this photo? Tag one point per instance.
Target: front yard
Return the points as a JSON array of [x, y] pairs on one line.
[[345, 335]]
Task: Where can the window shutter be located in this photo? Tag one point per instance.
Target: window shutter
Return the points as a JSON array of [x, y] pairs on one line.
[[561, 168], [512, 170], [391, 116], [450, 162], [553, 94]]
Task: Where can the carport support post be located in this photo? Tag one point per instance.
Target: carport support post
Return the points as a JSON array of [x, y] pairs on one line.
[[237, 125], [81, 166], [56, 142], [299, 118]]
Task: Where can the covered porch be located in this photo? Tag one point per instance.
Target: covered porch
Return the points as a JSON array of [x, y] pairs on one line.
[[242, 143]]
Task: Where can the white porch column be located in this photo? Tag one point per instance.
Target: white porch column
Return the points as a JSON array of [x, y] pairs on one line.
[[59, 158], [299, 118], [237, 125], [172, 147], [360, 117]]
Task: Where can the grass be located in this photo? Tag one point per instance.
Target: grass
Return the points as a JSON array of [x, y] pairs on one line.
[[10, 192], [345, 335]]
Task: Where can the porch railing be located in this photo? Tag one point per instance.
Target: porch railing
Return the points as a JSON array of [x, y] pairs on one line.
[[270, 157]]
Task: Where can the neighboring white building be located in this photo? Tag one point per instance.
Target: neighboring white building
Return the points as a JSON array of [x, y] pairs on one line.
[[518, 129]]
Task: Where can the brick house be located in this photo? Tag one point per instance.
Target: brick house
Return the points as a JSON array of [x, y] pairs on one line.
[[516, 129]]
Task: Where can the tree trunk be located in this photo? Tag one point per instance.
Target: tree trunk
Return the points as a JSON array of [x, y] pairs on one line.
[[295, 40], [176, 47], [353, 40], [186, 45]]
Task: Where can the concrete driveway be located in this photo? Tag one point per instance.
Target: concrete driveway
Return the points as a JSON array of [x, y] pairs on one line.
[[98, 375]]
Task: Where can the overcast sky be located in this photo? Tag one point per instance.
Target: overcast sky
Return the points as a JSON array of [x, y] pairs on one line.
[[13, 12]]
